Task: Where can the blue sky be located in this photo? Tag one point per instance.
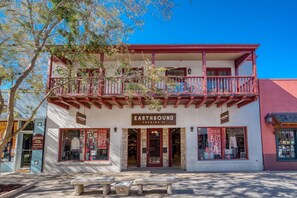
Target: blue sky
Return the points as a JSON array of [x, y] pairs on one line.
[[270, 23]]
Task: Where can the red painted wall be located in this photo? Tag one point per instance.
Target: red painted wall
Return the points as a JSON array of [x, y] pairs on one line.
[[275, 96]]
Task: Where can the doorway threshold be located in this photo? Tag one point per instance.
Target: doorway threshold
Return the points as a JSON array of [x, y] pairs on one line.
[[160, 170]]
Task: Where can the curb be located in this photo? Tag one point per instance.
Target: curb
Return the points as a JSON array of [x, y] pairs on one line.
[[17, 191]]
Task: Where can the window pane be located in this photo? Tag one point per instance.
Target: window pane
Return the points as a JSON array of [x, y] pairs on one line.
[[235, 144], [72, 145], [209, 143], [97, 144], [286, 145]]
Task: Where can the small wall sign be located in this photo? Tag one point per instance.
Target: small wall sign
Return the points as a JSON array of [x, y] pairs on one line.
[[224, 117], [81, 118], [37, 142], [154, 119]]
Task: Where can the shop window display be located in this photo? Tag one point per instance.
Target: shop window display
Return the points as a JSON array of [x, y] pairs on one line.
[[84, 144], [221, 143], [286, 140]]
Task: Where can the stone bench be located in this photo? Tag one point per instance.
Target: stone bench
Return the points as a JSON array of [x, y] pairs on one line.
[[81, 181], [154, 181]]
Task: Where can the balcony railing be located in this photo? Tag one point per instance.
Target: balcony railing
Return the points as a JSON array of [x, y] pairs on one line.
[[212, 85]]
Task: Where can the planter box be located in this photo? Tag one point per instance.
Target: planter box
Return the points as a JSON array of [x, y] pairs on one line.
[[122, 187]]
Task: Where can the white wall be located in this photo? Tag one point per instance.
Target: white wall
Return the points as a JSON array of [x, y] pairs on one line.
[[195, 65], [121, 118]]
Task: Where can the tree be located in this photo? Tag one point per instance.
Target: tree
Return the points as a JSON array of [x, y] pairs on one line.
[[27, 27]]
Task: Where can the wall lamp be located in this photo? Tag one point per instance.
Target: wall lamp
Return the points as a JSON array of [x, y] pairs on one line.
[[268, 118], [115, 129], [189, 71], [192, 128]]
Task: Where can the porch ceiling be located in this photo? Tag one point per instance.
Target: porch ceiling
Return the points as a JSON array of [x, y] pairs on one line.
[[174, 56]]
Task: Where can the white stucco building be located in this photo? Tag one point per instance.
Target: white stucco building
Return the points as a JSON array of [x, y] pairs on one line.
[[209, 119]]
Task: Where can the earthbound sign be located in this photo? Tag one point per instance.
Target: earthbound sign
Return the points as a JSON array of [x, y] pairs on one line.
[[154, 119]]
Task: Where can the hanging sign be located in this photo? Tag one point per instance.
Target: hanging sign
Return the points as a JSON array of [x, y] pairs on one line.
[[81, 118], [102, 138], [224, 117], [154, 119], [37, 142]]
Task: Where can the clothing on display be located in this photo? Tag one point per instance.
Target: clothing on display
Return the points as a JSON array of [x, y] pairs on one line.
[[232, 142]]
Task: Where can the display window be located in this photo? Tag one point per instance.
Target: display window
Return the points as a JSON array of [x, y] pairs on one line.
[[286, 144], [215, 143], [9, 149], [84, 144]]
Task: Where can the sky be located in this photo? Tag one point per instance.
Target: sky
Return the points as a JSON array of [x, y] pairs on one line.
[[270, 23]]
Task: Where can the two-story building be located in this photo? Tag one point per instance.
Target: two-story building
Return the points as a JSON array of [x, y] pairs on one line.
[[209, 119]]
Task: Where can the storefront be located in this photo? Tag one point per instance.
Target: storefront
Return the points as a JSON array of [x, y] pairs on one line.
[[21, 153], [111, 141], [279, 123]]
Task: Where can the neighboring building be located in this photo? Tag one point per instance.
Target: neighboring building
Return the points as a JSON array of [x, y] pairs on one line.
[[278, 103], [19, 155], [209, 120]]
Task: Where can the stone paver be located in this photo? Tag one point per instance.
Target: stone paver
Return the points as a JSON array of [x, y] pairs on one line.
[[260, 184]]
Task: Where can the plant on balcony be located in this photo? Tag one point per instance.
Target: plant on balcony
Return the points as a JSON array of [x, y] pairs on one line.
[[79, 27]]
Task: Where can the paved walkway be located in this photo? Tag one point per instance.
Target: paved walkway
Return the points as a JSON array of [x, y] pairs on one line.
[[260, 184]]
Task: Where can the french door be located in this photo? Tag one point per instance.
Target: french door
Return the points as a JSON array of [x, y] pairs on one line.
[[154, 147]]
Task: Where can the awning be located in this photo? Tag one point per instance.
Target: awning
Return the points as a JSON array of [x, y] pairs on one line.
[[283, 119]]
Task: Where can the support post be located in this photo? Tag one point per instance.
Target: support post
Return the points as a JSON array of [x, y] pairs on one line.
[[204, 73], [49, 73], [101, 76], [153, 59], [255, 73]]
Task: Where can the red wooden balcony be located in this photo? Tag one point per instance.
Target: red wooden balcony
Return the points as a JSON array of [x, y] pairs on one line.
[[218, 90]]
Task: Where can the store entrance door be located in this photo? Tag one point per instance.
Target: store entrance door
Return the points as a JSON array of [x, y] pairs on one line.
[[174, 148], [133, 148], [154, 147], [26, 150]]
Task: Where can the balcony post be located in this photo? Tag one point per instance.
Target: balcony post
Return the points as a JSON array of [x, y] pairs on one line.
[[101, 76], [153, 59], [255, 72], [49, 73], [204, 73]]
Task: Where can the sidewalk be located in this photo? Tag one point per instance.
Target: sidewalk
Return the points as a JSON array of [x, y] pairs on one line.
[[260, 184]]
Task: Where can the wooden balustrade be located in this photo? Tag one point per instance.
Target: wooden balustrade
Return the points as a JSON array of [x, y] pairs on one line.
[[192, 85]]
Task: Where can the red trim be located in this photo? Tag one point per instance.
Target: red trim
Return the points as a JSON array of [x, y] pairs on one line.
[[190, 48], [138, 147], [49, 73], [239, 61], [148, 147], [170, 147], [204, 73]]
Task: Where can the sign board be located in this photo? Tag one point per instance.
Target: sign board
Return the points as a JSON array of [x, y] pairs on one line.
[[81, 118], [37, 142], [224, 117], [154, 119]]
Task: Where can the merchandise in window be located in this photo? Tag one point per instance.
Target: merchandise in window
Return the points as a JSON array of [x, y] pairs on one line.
[[85, 144], [9, 149], [221, 143], [286, 140]]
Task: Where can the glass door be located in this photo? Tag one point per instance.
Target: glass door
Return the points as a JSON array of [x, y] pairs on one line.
[[154, 148], [26, 150]]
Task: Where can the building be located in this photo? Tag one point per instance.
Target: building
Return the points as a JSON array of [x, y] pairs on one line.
[[24, 152], [278, 103], [209, 120]]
